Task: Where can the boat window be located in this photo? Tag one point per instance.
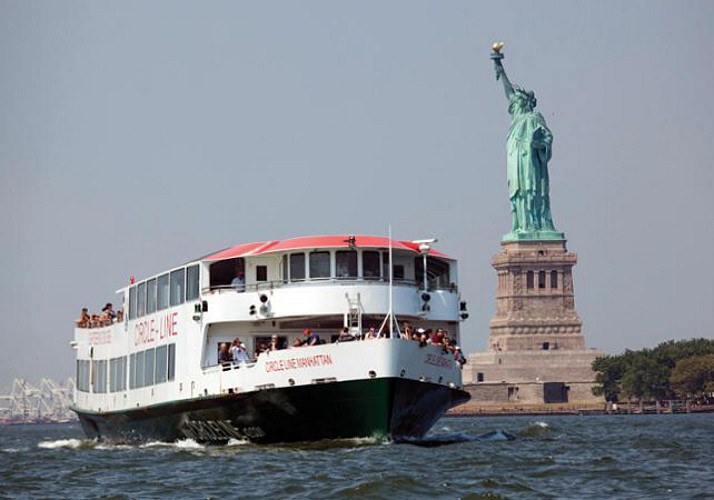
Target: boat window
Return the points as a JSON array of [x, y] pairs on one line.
[[370, 265], [297, 266], [151, 296], [171, 362], [437, 272], [319, 265], [116, 378], [113, 375], [261, 273], [222, 272], [176, 287], [132, 371], [149, 360], [140, 368], [132, 303], [346, 264], [192, 284], [141, 299], [161, 360], [398, 272], [163, 292], [99, 382], [83, 375]]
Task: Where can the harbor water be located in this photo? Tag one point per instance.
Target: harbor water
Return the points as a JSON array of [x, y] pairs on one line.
[[615, 456]]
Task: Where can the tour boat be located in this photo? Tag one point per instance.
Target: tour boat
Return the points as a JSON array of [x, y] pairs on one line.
[[153, 373]]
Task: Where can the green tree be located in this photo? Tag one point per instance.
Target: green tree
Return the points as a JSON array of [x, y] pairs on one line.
[[608, 374], [694, 376], [645, 378], [645, 373]]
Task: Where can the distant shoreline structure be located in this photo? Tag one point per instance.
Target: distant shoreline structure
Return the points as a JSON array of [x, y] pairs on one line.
[[44, 402], [526, 410]]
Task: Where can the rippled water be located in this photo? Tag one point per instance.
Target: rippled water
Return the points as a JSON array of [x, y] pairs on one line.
[[488, 457]]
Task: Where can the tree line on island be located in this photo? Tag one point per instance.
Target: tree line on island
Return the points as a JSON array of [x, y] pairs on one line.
[[673, 370]]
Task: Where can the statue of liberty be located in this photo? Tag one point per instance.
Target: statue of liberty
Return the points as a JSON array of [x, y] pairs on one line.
[[528, 148]]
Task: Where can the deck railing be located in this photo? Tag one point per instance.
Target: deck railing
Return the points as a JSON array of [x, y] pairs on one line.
[[344, 281]]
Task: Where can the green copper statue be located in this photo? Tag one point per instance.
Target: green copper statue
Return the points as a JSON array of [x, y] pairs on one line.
[[529, 148]]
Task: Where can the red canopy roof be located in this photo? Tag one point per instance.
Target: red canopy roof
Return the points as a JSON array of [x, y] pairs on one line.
[[308, 242]]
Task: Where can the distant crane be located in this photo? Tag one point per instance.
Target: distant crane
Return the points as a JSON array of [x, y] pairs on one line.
[[48, 401]]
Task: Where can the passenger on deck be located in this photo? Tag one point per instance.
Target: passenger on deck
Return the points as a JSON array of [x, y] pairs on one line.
[[224, 356], [239, 282], [109, 314], [371, 334], [259, 349], [345, 335], [84, 318], [423, 337], [274, 343], [234, 347], [312, 337], [438, 337], [459, 356], [240, 355], [95, 321], [406, 331]]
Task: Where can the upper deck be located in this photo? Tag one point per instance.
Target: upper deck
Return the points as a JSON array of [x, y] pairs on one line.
[[307, 276]]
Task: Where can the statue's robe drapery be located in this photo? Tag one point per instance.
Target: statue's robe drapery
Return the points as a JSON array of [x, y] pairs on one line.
[[529, 150]]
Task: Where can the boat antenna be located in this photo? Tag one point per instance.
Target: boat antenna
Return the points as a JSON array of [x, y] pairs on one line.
[[391, 286], [390, 313]]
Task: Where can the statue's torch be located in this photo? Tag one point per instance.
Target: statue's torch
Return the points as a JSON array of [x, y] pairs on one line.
[[496, 56]]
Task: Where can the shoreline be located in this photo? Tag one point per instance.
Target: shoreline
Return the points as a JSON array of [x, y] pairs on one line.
[[476, 410]]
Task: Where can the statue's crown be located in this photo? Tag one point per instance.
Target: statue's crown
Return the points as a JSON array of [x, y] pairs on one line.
[[528, 95]]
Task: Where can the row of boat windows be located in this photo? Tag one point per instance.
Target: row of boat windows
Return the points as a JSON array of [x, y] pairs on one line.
[[168, 290], [148, 367], [319, 265], [375, 265]]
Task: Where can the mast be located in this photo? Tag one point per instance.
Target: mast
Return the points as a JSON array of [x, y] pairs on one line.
[[391, 277]]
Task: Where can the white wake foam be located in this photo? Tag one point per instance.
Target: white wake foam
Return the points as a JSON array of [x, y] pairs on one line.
[[62, 443]]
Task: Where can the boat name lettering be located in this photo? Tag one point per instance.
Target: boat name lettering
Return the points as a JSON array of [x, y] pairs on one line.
[[99, 337], [219, 430], [297, 363], [150, 330], [433, 359]]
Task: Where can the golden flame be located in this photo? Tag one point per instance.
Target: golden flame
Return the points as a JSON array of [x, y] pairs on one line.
[[497, 47]]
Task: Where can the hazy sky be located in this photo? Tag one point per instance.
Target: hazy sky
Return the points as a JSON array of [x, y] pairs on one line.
[[137, 135]]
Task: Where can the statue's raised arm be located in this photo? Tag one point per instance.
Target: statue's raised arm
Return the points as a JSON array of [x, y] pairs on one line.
[[496, 56]]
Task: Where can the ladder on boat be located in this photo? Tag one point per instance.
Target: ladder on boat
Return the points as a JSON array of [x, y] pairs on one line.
[[353, 317]]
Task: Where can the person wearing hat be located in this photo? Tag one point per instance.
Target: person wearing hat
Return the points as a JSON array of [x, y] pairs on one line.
[[312, 337]]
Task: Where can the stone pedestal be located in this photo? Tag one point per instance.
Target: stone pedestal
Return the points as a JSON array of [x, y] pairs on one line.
[[536, 352], [535, 300]]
